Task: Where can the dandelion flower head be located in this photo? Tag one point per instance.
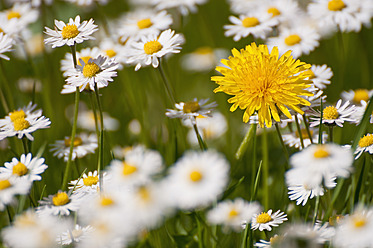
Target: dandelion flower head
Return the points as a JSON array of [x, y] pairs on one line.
[[263, 82]]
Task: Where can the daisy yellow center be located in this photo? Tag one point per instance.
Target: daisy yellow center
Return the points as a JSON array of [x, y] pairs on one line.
[[336, 5], [4, 184], [20, 169], [275, 240], [77, 233], [361, 95], [17, 114], [334, 220], [321, 153], [152, 47], [366, 141], [261, 82], [90, 70], [90, 180], [106, 201], [292, 40], [233, 213], [70, 31], [144, 194], [13, 14], [128, 169], [144, 23], [77, 142], [25, 220], [274, 11], [60, 199], [204, 50], [330, 113], [21, 124], [191, 107], [110, 53], [85, 60], [196, 176], [122, 41], [249, 22], [359, 221], [263, 218]]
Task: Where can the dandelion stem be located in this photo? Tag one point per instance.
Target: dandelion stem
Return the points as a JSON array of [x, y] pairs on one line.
[[251, 132], [101, 138], [285, 150], [265, 168], [72, 138], [167, 84], [306, 124], [299, 131], [201, 143]]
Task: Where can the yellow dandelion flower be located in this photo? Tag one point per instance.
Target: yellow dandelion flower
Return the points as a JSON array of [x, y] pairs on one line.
[[264, 83]]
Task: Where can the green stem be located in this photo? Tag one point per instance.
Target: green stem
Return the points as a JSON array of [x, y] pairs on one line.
[[73, 52], [25, 146], [245, 235], [251, 132], [167, 84], [201, 143], [320, 125], [91, 97], [306, 124], [199, 231], [3, 101], [265, 169], [101, 138], [72, 138], [9, 103], [285, 150], [331, 134], [316, 209], [299, 131]]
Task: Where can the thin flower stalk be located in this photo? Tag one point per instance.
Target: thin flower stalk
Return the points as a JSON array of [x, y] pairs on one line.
[[167, 85], [300, 131]]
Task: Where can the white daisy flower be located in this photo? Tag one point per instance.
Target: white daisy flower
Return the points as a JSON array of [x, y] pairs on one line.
[[327, 161], [9, 188], [281, 10], [139, 165], [300, 232], [334, 115], [29, 85], [6, 44], [259, 25], [85, 54], [321, 75], [87, 3], [25, 112], [293, 139], [144, 22], [301, 193], [355, 230], [113, 51], [243, 7], [191, 110], [22, 14], [203, 59], [232, 213], [201, 176], [86, 120], [36, 231], [300, 40], [27, 168], [341, 14], [273, 241], [365, 145], [325, 230], [152, 47], [83, 145], [89, 183], [265, 220], [71, 33], [61, 203], [76, 235], [100, 71], [209, 128], [22, 125], [356, 96], [183, 6]]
